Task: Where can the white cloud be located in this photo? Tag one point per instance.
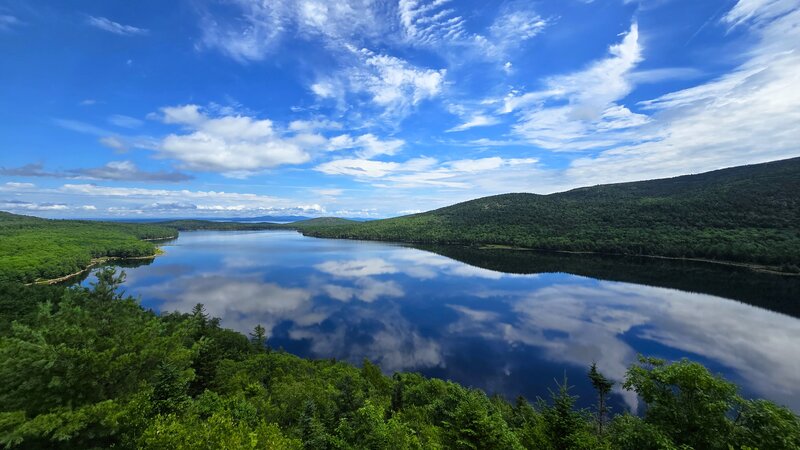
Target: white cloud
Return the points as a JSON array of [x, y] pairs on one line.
[[747, 116], [125, 121], [366, 289], [429, 22], [366, 168], [478, 120], [313, 125], [357, 268], [261, 25], [233, 145], [579, 110], [115, 27], [512, 27], [368, 145], [16, 186], [489, 173], [328, 192], [114, 143], [391, 84], [326, 89], [437, 25]]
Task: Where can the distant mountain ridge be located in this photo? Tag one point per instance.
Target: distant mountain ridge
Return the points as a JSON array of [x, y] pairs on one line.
[[748, 214]]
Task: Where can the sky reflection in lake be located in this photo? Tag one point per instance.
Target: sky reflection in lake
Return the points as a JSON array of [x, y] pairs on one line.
[[408, 309]]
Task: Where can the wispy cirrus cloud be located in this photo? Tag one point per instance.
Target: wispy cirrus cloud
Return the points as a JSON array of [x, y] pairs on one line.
[[117, 28], [747, 116], [259, 27], [466, 174], [390, 85], [437, 24], [579, 111], [8, 22], [367, 145]]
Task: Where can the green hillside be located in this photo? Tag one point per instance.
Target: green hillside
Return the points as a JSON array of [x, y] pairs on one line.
[[32, 248], [210, 225], [91, 368], [748, 214], [320, 222], [195, 225]]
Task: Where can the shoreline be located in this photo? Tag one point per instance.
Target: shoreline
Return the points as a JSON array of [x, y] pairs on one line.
[[754, 267], [158, 239], [93, 263]]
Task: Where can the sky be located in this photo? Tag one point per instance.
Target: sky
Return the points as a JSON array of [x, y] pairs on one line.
[[372, 108]]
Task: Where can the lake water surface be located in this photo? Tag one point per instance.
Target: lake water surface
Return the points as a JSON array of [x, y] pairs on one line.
[[504, 321]]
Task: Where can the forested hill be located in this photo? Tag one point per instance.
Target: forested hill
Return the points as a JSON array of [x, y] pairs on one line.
[[196, 225], [747, 214], [34, 249]]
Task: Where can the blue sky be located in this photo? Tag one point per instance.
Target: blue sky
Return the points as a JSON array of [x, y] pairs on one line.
[[363, 108]]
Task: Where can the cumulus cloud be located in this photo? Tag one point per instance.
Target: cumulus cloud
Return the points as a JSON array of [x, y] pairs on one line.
[[109, 25], [234, 145]]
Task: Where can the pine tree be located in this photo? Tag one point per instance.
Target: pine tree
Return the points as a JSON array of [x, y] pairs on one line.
[[602, 386], [259, 337]]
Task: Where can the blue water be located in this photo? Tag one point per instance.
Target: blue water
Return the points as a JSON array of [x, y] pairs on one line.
[[411, 310]]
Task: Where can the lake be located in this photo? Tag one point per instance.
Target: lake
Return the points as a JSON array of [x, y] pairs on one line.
[[509, 322]]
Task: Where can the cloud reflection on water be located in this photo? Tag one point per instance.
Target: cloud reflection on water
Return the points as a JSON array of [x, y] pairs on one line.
[[407, 309]]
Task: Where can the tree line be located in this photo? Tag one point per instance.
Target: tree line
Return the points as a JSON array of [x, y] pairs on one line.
[[91, 368]]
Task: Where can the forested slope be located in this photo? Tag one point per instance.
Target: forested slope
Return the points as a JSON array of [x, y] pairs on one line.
[[89, 368], [197, 225], [33, 248], [747, 214]]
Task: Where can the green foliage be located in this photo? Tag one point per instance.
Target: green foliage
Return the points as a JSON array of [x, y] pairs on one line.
[[90, 368], [685, 401], [38, 249], [602, 386], [208, 225], [564, 427], [745, 214]]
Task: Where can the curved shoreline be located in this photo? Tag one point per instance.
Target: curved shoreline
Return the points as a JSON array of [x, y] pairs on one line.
[[93, 263]]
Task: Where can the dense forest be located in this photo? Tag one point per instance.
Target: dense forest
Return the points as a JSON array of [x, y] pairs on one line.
[[747, 214], [32, 249], [90, 368]]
